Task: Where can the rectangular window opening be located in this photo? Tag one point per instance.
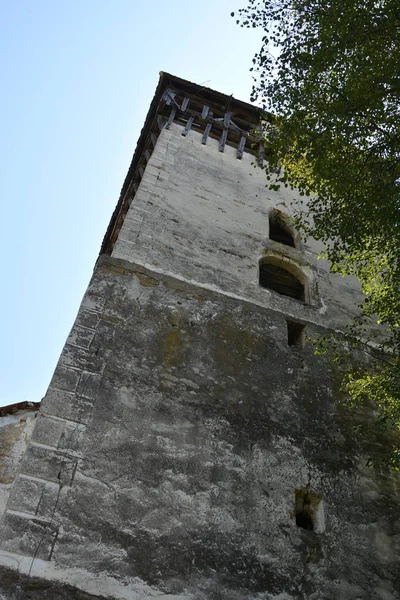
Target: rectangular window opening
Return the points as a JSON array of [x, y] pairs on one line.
[[296, 334], [309, 510]]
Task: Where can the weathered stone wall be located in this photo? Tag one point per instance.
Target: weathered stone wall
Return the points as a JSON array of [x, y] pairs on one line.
[[179, 422], [194, 424], [202, 215]]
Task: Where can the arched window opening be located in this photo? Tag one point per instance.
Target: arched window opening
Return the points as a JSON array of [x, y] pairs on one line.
[[279, 230], [279, 279]]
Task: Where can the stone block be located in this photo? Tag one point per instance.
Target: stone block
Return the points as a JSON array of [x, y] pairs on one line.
[[93, 302], [89, 385], [151, 169], [65, 379], [130, 232], [149, 179], [122, 249], [71, 437], [35, 497], [67, 405], [155, 162], [47, 431], [81, 358], [141, 198], [87, 318], [160, 151], [52, 465], [80, 336], [26, 495], [31, 537]]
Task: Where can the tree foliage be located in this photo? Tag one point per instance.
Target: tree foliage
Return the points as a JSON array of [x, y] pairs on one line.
[[330, 72]]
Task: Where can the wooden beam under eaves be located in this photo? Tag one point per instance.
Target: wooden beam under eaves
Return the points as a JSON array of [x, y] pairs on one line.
[[171, 118], [206, 134], [188, 126], [223, 139], [205, 111], [227, 119], [241, 146]]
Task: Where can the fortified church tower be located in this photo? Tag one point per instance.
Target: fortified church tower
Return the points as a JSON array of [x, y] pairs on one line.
[[191, 445]]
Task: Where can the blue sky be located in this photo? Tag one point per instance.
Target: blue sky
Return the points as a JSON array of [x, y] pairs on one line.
[[77, 80]]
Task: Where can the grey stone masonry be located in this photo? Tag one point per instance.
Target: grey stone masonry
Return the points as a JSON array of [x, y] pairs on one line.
[[191, 445]]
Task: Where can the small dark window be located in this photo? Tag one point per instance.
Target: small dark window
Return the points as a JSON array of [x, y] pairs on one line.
[[280, 280], [279, 231], [304, 520], [309, 510], [296, 334]]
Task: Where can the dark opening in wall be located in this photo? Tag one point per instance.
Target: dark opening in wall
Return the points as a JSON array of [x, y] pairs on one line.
[[304, 520], [279, 230], [296, 334], [309, 510], [280, 280]]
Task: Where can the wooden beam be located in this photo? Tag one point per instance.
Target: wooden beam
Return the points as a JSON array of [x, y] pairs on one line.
[[168, 96], [141, 171], [205, 111], [223, 139], [184, 104], [208, 128], [188, 126], [206, 133], [147, 154], [241, 146], [234, 126], [227, 119], [153, 138], [170, 118]]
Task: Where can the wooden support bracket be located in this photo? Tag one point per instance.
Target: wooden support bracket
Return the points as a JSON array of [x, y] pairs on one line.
[[188, 126], [206, 133], [223, 139], [227, 119], [171, 118], [205, 111], [241, 146]]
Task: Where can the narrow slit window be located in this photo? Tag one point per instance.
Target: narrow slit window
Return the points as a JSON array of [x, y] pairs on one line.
[[279, 230], [296, 334], [280, 280]]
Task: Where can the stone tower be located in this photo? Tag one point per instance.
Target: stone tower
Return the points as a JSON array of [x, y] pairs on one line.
[[191, 445]]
